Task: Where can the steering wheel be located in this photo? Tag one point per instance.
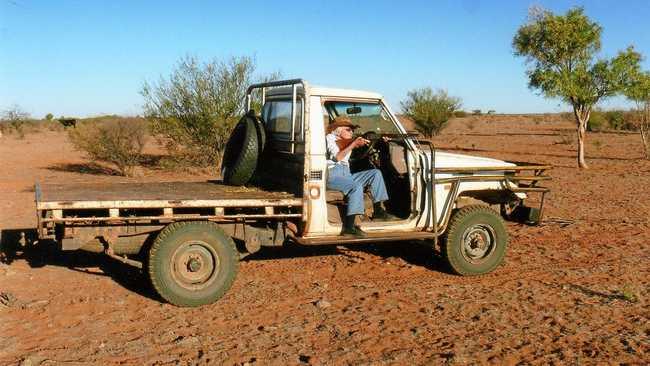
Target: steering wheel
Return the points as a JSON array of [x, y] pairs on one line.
[[369, 149]]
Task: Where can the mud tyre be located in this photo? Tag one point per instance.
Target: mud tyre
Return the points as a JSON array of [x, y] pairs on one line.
[[242, 151], [475, 242], [192, 263]]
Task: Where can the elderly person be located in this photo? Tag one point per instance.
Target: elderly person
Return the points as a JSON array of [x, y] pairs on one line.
[[340, 144]]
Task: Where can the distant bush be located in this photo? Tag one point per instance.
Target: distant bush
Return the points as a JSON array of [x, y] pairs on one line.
[[491, 111], [614, 119], [597, 121], [49, 116], [460, 114], [430, 111], [14, 119], [116, 141], [477, 112]]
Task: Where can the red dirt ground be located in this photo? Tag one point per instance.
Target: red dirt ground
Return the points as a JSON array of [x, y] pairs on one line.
[[574, 290]]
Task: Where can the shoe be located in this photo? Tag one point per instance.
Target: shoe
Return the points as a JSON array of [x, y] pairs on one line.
[[349, 228], [380, 214], [355, 231]]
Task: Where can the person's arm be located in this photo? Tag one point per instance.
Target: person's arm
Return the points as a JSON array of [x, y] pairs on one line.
[[359, 141]]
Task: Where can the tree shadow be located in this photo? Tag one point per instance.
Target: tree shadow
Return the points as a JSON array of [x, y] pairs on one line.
[[44, 253], [605, 296], [151, 161], [84, 168]]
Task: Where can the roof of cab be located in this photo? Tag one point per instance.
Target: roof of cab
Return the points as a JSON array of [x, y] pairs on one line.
[[327, 92]]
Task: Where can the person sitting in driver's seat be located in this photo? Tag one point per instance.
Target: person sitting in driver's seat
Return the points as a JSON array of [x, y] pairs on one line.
[[340, 144]]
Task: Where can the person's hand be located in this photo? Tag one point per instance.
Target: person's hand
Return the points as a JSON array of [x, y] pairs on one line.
[[360, 141]]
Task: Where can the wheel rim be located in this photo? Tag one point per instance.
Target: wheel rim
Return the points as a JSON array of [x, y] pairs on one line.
[[479, 242], [195, 265]]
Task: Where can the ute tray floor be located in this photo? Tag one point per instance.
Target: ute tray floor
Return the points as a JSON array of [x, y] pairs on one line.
[[172, 194]]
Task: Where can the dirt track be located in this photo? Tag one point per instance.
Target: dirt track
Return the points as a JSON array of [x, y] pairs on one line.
[[575, 290]]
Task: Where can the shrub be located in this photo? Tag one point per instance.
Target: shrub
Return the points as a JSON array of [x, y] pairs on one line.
[[597, 121], [117, 141], [14, 119], [460, 114], [477, 112], [49, 116], [195, 109], [430, 111]]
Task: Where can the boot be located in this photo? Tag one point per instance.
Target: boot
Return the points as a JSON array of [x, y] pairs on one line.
[[380, 214], [349, 228]]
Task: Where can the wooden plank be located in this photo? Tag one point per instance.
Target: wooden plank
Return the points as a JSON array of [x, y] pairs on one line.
[[175, 217], [168, 211], [155, 191], [245, 202]]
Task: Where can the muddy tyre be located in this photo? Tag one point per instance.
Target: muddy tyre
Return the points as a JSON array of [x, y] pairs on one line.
[[476, 241], [192, 263], [242, 151]]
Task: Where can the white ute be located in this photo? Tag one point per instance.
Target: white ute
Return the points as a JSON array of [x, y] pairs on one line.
[[189, 237]]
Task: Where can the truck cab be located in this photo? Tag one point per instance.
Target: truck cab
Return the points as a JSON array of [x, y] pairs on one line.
[[295, 117]]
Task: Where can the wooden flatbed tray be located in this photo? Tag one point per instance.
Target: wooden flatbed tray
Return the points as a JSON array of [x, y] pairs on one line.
[[158, 194]]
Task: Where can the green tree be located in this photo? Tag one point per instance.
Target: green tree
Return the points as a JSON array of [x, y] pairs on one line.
[[639, 92], [49, 116], [561, 51], [430, 111], [195, 108]]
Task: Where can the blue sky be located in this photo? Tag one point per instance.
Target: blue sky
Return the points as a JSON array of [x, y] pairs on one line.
[[81, 58]]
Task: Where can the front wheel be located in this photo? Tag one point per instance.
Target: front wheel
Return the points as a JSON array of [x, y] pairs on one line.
[[476, 241], [192, 263]]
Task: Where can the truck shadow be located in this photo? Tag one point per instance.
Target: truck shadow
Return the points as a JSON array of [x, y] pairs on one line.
[[411, 253], [20, 244], [46, 253]]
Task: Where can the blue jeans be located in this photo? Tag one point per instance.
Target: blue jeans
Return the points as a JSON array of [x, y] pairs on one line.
[[339, 178]]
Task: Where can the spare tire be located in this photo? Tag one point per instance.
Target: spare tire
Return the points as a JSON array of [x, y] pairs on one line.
[[242, 151]]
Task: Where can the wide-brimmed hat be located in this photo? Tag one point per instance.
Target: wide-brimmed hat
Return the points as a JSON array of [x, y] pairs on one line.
[[341, 121]]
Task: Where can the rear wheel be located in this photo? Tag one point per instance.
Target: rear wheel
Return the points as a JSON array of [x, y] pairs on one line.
[[192, 263], [476, 240]]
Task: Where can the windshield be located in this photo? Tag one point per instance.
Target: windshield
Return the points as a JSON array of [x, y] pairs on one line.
[[369, 116]]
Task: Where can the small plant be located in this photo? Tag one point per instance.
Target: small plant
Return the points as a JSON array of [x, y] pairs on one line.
[[430, 111], [629, 293], [117, 141], [598, 144]]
